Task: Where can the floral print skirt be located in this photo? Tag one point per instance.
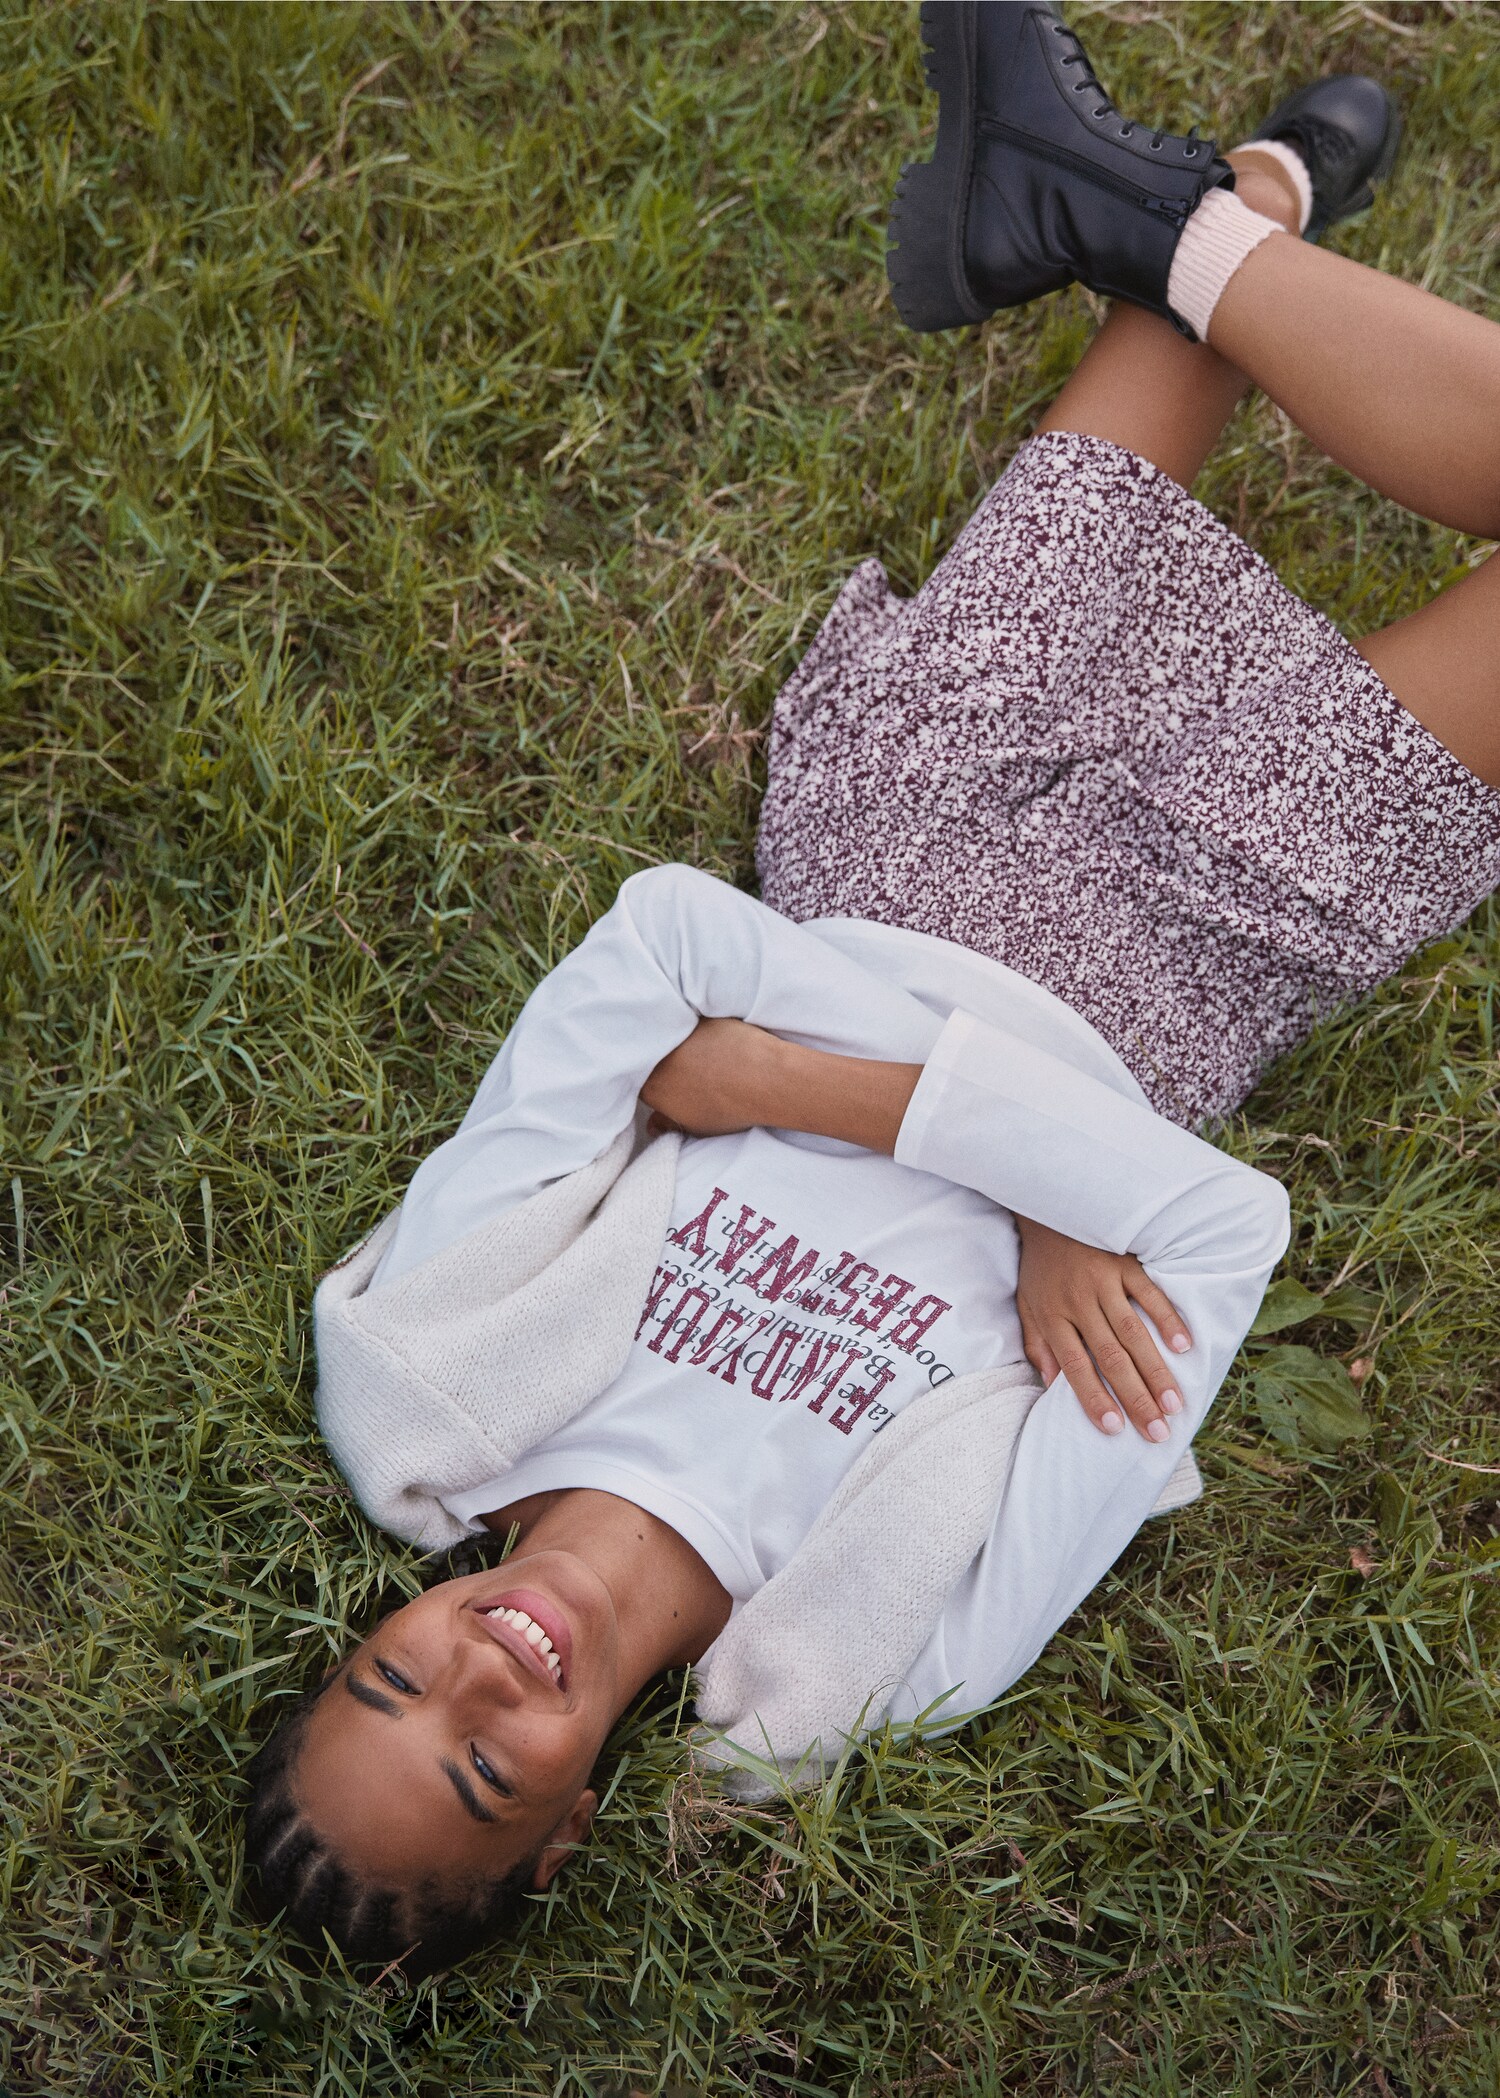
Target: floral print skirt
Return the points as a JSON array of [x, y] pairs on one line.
[[1105, 745]]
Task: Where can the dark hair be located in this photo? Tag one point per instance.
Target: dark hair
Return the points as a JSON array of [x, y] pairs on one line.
[[295, 1872]]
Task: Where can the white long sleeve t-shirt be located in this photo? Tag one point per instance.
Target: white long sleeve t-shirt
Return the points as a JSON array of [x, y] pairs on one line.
[[808, 1291]]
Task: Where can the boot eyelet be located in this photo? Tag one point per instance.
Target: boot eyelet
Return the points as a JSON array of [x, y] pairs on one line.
[[1156, 145]]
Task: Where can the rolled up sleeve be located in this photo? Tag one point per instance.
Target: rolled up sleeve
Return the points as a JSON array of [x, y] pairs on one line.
[[1048, 1142]]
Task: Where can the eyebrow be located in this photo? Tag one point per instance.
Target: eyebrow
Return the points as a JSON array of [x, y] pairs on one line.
[[368, 1695], [466, 1792]]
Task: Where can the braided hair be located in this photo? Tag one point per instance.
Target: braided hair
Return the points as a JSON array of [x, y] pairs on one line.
[[296, 1873]]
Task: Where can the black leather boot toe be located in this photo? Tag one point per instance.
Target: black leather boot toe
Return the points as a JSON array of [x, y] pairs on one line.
[[1345, 129], [1036, 180]]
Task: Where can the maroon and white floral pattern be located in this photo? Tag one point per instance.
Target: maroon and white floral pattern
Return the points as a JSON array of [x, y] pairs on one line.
[[1105, 745]]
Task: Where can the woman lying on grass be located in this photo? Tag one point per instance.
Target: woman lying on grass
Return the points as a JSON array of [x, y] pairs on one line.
[[1056, 857]]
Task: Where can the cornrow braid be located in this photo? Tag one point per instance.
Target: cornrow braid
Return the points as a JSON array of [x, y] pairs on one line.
[[295, 1873]]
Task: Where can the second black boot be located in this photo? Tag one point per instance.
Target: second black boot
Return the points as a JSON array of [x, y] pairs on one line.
[[1345, 129], [1037, 181]]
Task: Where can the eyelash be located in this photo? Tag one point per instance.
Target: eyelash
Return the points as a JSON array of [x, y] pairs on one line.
[[497, 1784], [399, 1682]]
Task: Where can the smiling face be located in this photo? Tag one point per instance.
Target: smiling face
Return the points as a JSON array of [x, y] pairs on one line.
[[460, 1736]]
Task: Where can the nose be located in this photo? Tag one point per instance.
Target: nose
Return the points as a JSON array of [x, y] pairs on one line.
[[481, 1669]]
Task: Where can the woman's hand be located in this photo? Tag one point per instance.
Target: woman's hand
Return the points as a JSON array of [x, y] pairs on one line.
[[1079, 1320]]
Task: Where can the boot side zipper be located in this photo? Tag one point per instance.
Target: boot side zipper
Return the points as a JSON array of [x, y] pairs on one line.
[[1119, 185]]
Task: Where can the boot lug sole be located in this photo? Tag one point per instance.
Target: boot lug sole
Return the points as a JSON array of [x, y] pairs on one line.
[[929, 214]]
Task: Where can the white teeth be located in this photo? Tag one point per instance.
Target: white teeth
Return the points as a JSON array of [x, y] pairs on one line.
[[533, 1634]]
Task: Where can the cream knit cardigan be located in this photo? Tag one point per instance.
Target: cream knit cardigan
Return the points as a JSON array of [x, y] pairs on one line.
[[448, 1375]]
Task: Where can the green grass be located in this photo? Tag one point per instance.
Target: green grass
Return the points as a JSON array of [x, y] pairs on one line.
[[427, 437]]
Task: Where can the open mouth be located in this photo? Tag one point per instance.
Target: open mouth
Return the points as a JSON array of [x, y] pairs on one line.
[[534, 1629]]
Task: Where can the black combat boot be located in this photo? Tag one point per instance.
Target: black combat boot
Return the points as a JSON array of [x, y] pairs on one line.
[[1037, 180], [1345, 130]]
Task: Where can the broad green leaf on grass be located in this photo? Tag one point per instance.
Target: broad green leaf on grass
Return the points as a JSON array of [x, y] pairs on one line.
[[1288, 1302], [1302, 1397]]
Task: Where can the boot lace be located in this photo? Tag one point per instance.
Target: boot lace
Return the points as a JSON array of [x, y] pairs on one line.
[[1328, 144], [1077, 56]]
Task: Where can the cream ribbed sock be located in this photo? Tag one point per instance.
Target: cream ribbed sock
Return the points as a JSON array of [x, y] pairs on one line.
[[1214, 242], [1295, 167]]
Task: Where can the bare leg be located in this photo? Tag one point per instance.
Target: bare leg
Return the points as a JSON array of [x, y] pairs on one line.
[[1142, 385], [1443, 664], [1395, 385], [1403, 390]]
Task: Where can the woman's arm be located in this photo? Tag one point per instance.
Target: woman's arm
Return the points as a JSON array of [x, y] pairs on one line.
[[1081, 1308], [997, 1114], [730, 1075], [992, 1112], [676, 945]]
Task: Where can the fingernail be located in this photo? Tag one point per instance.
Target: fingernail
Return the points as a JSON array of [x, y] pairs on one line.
[[1158, 1430], [1171, 1402], [1111, 1423], [1180, 1343]]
